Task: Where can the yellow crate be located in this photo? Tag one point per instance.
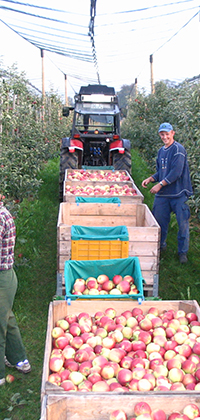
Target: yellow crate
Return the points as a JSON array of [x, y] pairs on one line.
[[99, 250]]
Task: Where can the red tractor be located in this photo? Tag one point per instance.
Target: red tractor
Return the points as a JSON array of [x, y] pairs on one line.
[[95, 139]]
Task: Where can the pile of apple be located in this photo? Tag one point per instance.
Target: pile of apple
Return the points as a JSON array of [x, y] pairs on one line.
[[102, 285], [99, 175], [143, 411], [133, 351], [99, 190]]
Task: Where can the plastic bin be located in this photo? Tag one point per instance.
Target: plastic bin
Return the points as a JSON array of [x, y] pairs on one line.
[[84, 269], [99, 243]]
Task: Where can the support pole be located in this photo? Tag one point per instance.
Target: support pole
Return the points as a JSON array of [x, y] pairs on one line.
[[42, 57], [66, 97], [151, 71]]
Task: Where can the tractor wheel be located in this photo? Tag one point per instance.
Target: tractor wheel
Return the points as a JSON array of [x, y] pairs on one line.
[[122, 161], [67, 161]]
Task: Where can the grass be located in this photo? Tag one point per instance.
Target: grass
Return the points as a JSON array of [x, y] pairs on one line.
[[36, 270]]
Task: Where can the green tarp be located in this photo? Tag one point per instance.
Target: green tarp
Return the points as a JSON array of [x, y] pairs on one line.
[[84, 269], [99, 233]]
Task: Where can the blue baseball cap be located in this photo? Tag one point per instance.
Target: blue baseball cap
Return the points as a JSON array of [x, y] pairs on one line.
[[165, 127]]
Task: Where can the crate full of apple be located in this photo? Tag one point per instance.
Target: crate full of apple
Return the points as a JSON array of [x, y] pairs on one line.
[[132, 353], [97, 175], [104, 279]]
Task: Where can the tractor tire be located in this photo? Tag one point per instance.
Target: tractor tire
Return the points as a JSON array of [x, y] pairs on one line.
[[67, 161], [122, 161]]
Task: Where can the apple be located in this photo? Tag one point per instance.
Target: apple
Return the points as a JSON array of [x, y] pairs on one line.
[[160, 370], [10, 378], [176, 375], [101, 386], [124, 286], [180, 337], [116, 354], [137, 362], [189, 378], [57, 332], [138, 373], [126, 362], [144, 336], [62, 323], [61, 342], [68, 385], [120, 319], [124, 376], [118, 415], [196, 348], [91, 283], [191, 316], [74, 329], [172, 363], [110, 312], [195, 329], [81, 355], [145, 324], [64, 374], [144, 385], [107, 372], [108, 285], [102, 278], [79, 285], [100, 361], [158, 414], [55, 364], [117, 278], [138, 345], [191, 410], [76, 342], [131, 322], [54, 378], [188, 366], [125, 345], [85, 386], [117, 335], [71, 365], [141, 408]]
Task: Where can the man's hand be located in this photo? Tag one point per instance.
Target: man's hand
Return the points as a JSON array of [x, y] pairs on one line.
[[147, 181], [155, 189]]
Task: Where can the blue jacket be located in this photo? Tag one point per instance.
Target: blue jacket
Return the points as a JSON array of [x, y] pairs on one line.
[[172, 166]]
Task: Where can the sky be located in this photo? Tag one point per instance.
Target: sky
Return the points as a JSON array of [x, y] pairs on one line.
[[126, 33]]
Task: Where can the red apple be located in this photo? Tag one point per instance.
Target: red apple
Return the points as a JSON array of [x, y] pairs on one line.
[[68, 385], [118, 415], [117, 279], [55, 364], [102, 278], [141, 408], [10, 378], [124, 376], [158, 414]]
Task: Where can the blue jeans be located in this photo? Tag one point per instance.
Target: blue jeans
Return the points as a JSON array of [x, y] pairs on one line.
[[162, 208], [11, 344]]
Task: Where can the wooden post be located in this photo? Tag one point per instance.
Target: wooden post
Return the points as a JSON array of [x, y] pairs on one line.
[[66, 97], [151, 70], [136, 88]]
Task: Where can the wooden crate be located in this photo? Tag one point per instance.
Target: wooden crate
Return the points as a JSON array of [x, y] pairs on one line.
[[143, 229], [57, 404], [102, 171], [138, 198]]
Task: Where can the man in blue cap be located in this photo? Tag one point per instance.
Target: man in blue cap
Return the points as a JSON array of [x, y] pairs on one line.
[[172, 189]]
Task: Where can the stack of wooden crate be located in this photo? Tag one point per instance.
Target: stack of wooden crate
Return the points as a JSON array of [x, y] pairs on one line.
[[143, 230]]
